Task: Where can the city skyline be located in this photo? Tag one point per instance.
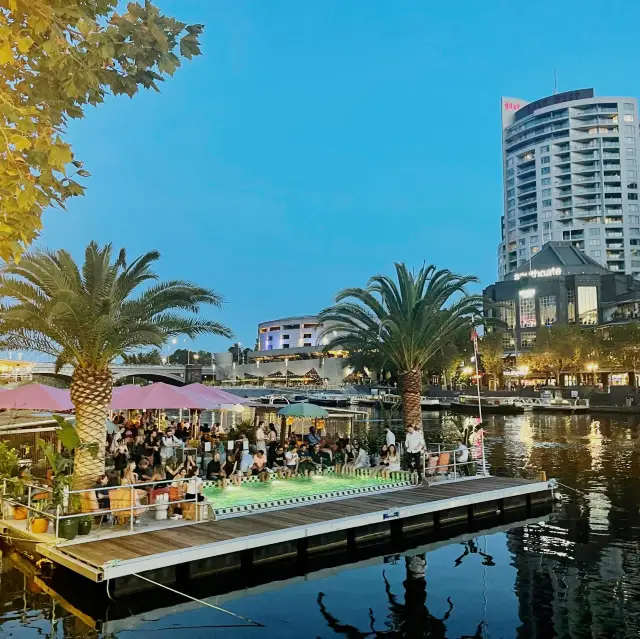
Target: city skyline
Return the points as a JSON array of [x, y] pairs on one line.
[[278, 188]]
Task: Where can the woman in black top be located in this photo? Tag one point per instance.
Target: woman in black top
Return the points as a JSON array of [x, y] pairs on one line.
[[232, 471]]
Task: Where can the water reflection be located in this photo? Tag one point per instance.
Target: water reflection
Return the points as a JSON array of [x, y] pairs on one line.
[[576, 575]]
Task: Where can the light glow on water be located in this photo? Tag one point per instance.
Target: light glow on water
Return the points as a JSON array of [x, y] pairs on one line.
[[256, 492]]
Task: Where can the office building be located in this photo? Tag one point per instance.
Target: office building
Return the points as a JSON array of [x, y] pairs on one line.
[[560, 284], [570, 165]]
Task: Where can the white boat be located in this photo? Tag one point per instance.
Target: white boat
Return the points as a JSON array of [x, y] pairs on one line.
[[273, 399], [330, 399]]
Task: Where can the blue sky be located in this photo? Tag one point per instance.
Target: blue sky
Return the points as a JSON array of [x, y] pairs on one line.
[[315, 143]]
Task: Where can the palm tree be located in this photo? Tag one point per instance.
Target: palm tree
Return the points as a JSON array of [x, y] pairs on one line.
[[408, 322], [87, 317]]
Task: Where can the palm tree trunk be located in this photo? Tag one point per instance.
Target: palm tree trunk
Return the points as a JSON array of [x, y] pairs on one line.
[[91, 394], [410, 390]]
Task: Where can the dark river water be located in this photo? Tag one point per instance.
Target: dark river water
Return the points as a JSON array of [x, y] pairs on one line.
[[574, 573]]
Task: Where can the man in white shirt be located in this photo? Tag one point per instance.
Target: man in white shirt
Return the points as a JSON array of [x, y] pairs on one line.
[[462, 455], [169, 443], [390, 437], [414, 443]]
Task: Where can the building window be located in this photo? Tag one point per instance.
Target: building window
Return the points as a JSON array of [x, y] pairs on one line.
[[274, 328], [594, 242], [546, 226], [509, 172], [527, 340], [533, 239], [629, 129], [632, 185], [571, 306], [596, 253], [511, 224], [546, 192], [634, 219], [285, 337], [544, 149], [511, 203], [631, 152], [628, 117], [632, 196], [634, 231], [588, 305], [290, 326], [508, 341], [511, 214], [307, 344], [548, 311], [632, 174], [546, 202], [628, 106], [545, 160], [631, 163], [630, 140], [545, 181], [285, 346], [522, 252], [594, 231], [545, 170], [527, 308], [509, 162], [307, 336], [508, 313], [270, 338], [635, 263], [510, 182], [633, 208], [522, 241]]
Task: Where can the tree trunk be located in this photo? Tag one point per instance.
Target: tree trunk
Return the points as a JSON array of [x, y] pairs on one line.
[[410, 390], [91, 395]]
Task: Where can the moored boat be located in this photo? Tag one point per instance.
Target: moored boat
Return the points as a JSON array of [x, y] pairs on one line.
[[492, 405]]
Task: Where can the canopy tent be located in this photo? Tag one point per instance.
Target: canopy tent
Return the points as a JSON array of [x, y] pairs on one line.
[[36, 397], [304, 409]]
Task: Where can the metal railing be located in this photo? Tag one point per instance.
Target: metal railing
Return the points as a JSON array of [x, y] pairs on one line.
[[440, 463], [142, 497], [26, 498]]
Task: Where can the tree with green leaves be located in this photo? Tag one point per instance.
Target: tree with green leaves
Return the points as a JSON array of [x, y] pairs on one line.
[[151, 357], [56, 58], [184, 356], [623, 346], [408, 320], [89, 315], [492, 356]]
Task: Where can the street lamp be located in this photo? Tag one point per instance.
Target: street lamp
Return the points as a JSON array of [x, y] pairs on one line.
[[593, 369]]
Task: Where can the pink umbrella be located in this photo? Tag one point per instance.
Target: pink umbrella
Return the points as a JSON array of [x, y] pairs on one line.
[[215, 398], [154, 396], [36, 397]]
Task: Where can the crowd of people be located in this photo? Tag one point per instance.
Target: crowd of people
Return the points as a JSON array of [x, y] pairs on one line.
[[142, 451]]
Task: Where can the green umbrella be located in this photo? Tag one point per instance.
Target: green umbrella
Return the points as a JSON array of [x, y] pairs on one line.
[[303, 409]]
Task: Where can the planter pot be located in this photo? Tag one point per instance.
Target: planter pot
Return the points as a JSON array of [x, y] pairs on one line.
[[19, 512], [68, 528], [39, 525], [84, 527]]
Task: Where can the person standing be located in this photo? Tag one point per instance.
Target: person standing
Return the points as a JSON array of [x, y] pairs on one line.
[[169, 444], [415, 446], [260, 437]]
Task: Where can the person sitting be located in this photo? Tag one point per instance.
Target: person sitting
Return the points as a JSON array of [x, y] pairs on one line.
[[383, 462], [102, 495], [278, 463], [259, 466], [338, 459], [313, 437], [215, 470], [292, 459], [360, 460], [316, 458], [305, 464], [393, 462], [143, 470], [194, 485], [246, 462], [232, 471]]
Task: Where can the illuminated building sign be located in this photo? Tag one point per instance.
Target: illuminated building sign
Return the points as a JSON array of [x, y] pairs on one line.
[[548, 272], [512, 106]]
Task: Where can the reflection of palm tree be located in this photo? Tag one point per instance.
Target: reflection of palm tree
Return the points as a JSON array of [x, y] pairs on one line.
[[409, 619]]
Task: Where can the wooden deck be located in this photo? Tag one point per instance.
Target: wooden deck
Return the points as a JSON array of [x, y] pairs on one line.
[[372, 515]]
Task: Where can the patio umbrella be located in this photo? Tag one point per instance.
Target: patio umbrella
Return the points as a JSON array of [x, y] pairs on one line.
[[154, 396], [215, 397], [36, 397], [304, 410]]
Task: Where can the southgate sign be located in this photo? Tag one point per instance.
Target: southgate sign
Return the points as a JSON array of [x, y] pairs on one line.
[[549, 272]]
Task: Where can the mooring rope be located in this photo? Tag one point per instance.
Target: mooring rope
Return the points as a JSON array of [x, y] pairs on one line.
[[200, 601]]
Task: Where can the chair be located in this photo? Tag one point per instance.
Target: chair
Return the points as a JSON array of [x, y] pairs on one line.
[[123, 498], [431, 466], [443, 463], [89, 504]]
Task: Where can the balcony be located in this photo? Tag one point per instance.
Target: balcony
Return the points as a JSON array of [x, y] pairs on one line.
[[614, 245], [589, 178], [526, 189], [609, 144], [613, 200], [611, 166], [585, 157], [614, 177], [614, 234], [578, 112], [613, 189], [608, 155], [595, 121], [587, 190], [613, 220], [577, 146]]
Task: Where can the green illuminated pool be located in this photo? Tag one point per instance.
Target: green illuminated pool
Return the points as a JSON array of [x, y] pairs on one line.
[[287, 490]]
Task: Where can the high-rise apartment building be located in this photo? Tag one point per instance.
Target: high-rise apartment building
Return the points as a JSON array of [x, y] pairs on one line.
[[571, 174]]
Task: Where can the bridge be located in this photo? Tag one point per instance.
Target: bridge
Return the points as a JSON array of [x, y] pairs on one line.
[[176, 374]]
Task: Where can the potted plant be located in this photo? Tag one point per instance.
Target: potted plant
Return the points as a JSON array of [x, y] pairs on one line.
[[84, 524], [62, 466], [40, 524]]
